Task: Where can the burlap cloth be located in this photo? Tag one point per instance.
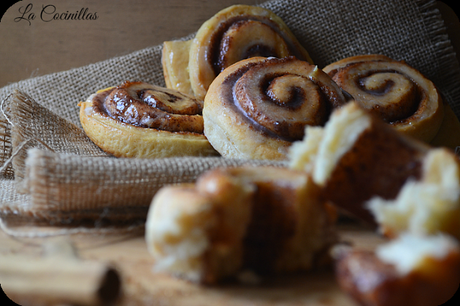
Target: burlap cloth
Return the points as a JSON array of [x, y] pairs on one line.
[[51, 171]]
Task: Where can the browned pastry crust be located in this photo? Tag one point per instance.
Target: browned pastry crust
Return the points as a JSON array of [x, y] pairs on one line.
[[233, 34], [262, 219], [395, 92], [137, 119], [257, 107], [373, 281]]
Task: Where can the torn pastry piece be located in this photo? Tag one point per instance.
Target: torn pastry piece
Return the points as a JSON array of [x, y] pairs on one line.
[[141, 120], [394, 91], [235, 33], [357, 156], [260, 219], [257, 107], [428, 205], [410, 270]]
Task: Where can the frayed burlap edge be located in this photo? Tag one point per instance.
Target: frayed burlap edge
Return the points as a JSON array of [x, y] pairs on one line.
[[6, 148], [98, 194], [33, 125], [449, 66], [69, 182]]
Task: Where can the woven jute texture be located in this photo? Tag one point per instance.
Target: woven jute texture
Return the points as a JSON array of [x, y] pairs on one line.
[[52, 171]]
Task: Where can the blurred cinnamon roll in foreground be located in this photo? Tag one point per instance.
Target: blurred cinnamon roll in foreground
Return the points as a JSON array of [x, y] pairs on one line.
[[258, 219], [380, 175], [427, 206], [141, 120], [398, 94], [356, 156], [257, 107], [410, 270], [235, 33]]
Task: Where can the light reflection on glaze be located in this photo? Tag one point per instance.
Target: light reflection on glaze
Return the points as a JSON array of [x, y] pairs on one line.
[[134, 103]]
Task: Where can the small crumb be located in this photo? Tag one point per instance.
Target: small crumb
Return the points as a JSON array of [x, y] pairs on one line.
[[248, 277]]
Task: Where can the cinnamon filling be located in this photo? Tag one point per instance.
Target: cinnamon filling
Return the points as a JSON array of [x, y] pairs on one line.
[[279, 101], [150, 106], [388, 93], [273, 223], [356, 179], [248, 36]]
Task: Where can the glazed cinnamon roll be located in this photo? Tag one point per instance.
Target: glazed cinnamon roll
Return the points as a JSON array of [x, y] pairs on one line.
[[137, 119], [235, 33], [257, 107], [397, 93], [261, 219]]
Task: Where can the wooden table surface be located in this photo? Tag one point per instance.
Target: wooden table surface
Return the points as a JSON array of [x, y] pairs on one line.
[[140, 286], [31, 45]]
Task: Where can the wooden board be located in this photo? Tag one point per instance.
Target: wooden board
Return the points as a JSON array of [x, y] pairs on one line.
[[140, 286]]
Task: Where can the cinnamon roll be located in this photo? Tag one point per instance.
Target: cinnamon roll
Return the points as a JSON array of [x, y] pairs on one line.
[[257, 107], [410, 270], [397, 93], [357, 156], [235, 33], [261, 219], [137, 119]]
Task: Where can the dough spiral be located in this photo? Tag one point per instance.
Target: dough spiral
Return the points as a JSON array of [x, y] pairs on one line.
[[233, 34], [392, 90], [136, 119], [257, 107]]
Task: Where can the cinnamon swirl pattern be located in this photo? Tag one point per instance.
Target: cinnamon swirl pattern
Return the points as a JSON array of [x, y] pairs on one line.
[[257, 107], [137, 119], [392, 90], [235, 33]]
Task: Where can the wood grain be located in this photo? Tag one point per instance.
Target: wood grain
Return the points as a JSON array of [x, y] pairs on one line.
[[140, 286]]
